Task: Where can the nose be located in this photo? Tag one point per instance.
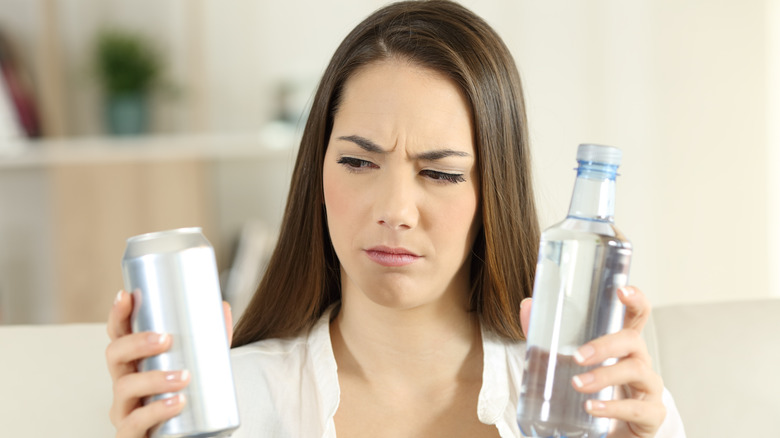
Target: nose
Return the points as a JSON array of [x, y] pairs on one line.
[[396, 205]]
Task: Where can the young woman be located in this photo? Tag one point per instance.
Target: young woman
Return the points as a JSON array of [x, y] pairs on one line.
[[393, 305]]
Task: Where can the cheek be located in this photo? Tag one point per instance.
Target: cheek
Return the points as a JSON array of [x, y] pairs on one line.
[[338, 199], [457, 221], [468, 222]]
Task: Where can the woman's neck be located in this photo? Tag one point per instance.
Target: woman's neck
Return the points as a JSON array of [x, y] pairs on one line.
[[434, 344]]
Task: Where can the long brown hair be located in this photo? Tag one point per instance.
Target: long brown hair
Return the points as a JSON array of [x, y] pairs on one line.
[[303, 276]]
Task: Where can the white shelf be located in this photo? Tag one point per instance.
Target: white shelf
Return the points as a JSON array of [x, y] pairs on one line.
[[95, 150]]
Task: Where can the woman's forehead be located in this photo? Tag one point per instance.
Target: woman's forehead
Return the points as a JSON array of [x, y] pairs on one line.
[[390, 99]]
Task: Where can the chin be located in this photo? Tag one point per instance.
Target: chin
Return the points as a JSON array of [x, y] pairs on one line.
[[391, 296], [404, 299], [396, 290], [395, 299]]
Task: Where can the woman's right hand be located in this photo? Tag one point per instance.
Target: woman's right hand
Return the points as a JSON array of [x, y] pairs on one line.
[[128, 414]]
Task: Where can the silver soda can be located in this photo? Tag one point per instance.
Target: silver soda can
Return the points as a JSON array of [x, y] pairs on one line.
[[173, 278]]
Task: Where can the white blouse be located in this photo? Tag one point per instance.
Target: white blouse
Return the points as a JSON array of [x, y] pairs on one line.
[[288, 388]]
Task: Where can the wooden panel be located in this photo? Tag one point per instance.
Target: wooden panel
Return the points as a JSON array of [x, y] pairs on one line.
[[98, 206]]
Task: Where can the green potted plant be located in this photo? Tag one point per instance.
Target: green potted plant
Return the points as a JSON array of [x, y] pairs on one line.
[[127, 68]]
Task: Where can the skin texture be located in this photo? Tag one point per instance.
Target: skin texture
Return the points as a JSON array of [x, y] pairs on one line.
[[396, 198]]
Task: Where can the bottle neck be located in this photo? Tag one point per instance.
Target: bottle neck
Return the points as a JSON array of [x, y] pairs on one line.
[[594, 192]]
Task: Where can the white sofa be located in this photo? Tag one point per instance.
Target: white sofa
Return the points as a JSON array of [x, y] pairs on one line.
[[720, 361], [54, 381]]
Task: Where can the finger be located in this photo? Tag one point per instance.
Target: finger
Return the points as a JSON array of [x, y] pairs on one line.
[[119, 317], [144, 418], [632, 372], [228, 321], [642, 417], [122, 353], [129, 389], [525, 314], [638, 307], [627, 342]]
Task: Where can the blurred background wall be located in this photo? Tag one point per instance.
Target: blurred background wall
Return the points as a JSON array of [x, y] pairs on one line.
[[690, 90]]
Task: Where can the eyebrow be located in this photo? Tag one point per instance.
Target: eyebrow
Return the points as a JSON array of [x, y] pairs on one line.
[[369, 146]]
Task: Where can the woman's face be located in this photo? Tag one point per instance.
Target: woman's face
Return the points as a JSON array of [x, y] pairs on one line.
[[401, 187]]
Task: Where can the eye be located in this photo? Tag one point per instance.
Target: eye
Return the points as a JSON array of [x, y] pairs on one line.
[[443, 177], [356, 164]]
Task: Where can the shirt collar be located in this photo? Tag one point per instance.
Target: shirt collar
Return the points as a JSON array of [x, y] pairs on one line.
[[494, 395], [323, 363], [499, 377]]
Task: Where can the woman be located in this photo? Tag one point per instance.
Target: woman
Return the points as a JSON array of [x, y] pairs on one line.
[[393, 303]]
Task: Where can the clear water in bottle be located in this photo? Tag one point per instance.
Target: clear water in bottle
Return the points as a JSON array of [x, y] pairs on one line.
[[582, 261]]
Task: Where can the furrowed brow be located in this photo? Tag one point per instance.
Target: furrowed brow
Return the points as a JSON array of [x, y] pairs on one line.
[[364, 143], [441, 153], [369, 146]]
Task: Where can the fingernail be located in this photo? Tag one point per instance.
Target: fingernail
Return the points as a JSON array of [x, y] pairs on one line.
[[118, 297], [626, 291], [177, 376], [583, 379], [175, 400], [157, 338], [594, 405], [583, 353], [524, 302]]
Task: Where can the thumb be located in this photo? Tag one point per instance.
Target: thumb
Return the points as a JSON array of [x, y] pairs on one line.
[[228, 321], [525, 314]]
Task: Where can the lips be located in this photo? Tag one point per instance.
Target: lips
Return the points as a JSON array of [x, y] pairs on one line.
[[391, 257]]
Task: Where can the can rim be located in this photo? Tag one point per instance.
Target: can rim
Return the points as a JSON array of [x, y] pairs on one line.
[[158, 234]]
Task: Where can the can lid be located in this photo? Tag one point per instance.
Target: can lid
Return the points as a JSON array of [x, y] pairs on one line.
[[597, 153], [164, 242], [166, 233]]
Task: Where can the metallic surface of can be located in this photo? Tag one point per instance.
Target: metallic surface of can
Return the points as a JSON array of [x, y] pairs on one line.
[[173, 278]]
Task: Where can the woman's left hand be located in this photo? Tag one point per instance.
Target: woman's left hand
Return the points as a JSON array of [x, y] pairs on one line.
[[638, 409]]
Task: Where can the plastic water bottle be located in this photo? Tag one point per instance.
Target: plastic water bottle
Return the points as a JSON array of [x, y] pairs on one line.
[[582, 262]]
